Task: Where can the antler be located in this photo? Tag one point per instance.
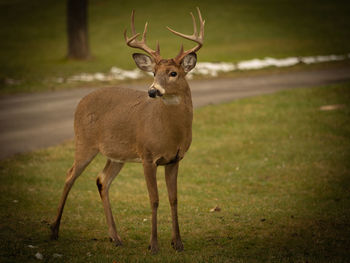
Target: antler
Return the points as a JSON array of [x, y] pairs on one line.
[[194, 37], [134, 43]]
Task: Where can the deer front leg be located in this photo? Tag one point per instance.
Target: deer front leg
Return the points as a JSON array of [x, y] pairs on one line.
[[150, 170], [104, 180], [171, 171]]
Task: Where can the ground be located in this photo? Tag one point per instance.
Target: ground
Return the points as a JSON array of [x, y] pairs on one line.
[[276, 165]]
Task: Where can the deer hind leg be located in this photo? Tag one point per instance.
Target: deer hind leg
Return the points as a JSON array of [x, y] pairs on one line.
[[81, 161], [171, 171], [150, 170], [104, 180]]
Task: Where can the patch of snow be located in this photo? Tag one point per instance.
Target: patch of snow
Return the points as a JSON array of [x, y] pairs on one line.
[[211, 69], [267, 62], [319, 59], [121, 74], [114, 74], [99, 76], [207, 68]]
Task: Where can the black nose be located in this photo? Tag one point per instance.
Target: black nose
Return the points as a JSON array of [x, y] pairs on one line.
[[152, 93]]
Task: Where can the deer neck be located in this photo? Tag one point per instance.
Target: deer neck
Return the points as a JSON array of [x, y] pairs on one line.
[[180, 99], [175, 109]]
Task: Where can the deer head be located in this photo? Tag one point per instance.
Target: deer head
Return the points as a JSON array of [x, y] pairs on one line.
[[169, 74]]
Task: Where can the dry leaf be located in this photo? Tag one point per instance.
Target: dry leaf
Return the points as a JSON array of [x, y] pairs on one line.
[[31, 246], [39, 256], [215, 209], [332, 107]]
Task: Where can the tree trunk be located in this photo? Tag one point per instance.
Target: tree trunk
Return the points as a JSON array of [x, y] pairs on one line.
[[77, 29]]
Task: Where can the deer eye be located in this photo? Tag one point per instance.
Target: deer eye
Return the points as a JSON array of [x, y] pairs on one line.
[[173, 74], [154, 74]]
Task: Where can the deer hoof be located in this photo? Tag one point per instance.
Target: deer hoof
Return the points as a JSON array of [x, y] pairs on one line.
[[177, 245], [117, 242]]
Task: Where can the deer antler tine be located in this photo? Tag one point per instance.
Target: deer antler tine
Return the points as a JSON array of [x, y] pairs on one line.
[[125, 37], [144, 32], [181, 50], [178, 33], [202, 29], [133, 22], [198, 38], [129, 40], [199, 15], [194, 25], [202, 22], [134, 43]]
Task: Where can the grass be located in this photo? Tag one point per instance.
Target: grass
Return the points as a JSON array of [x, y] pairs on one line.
[[33, 38], [276, 165]]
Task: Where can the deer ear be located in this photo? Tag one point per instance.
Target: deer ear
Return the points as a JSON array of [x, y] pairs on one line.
[[189, 62], [144, 62]]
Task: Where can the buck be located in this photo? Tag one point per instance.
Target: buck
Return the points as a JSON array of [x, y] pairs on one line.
[[127, 125]]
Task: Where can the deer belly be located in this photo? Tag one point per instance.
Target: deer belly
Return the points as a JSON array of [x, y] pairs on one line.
[[120, 160], [120, 157], [121, 152], [169, 158]]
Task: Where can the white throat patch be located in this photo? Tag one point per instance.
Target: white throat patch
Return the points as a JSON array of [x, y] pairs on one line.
[[171, 99]]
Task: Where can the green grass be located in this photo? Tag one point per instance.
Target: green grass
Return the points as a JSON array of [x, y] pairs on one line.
[[276, 165], [33, 37]]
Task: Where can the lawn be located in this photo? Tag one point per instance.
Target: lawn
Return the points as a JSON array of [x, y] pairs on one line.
[[276, 165], [33, 37]]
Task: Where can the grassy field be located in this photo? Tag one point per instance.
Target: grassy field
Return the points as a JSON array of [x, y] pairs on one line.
[[276, 165], [33, 37]]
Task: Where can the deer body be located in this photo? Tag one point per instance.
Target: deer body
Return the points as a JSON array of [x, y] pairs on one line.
[[127, 125], [152, 129]]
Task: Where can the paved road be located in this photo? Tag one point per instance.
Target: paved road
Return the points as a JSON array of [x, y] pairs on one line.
[[34, 121]]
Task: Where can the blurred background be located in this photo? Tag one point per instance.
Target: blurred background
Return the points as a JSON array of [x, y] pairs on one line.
[[33, 45]]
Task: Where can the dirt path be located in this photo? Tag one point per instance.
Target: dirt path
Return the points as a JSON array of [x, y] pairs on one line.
[[34, 121]]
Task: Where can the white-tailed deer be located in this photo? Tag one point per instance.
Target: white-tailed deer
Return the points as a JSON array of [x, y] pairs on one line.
[[127, 125]]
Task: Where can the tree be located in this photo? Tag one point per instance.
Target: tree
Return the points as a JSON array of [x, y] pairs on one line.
[[77, 29]]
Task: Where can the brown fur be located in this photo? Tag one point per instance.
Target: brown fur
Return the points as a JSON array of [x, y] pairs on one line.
[[127, 125]]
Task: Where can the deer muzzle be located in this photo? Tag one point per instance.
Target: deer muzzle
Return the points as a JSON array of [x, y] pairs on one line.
[[156, 90]]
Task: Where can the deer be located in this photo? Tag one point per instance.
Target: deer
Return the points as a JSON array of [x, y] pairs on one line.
[[126, 125]]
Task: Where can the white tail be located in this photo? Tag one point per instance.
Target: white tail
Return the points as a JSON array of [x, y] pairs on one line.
[[126, 125]]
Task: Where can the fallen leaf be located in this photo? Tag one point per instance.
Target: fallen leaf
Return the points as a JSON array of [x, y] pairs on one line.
[[39, 256], [31, 246], [332, 107], [215, 209]]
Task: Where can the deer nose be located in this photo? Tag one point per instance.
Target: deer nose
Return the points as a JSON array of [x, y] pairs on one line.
[[156, 90], [152, 93]]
